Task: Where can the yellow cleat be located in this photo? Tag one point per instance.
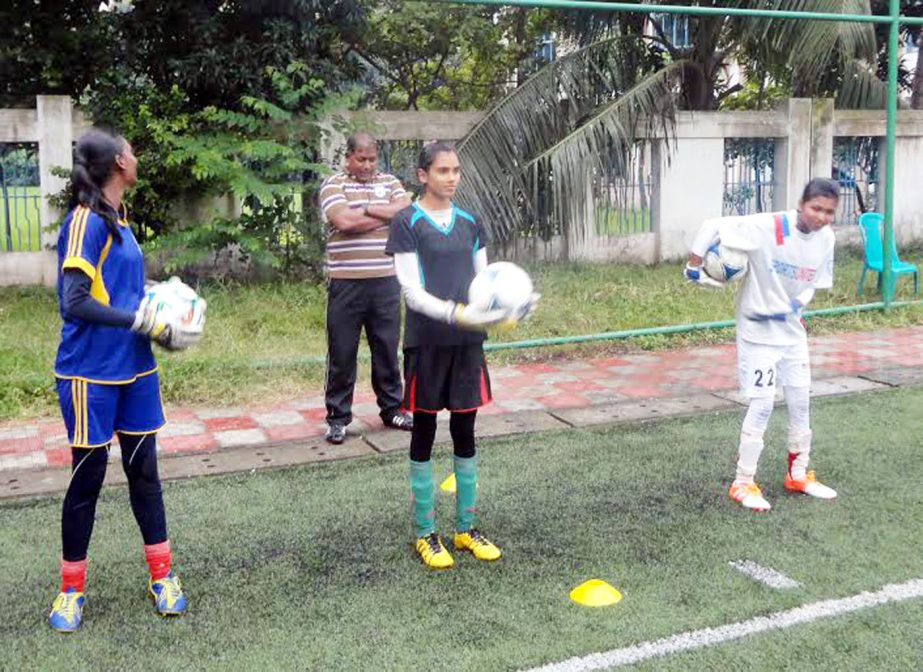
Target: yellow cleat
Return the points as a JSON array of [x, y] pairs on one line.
[[479, 545], [433, 553]]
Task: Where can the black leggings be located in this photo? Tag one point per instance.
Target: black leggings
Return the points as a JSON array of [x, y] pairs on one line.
[[461, 427], [88, 469]]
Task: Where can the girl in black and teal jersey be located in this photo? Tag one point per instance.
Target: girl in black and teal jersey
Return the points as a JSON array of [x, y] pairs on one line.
[[106, 373], [438, 248]]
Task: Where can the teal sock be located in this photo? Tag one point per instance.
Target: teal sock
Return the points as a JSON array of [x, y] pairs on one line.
[[421, 485], [466, 485]]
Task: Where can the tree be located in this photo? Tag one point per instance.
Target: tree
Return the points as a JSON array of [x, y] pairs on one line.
[[50, 47], [907, 81], [216, 50], [540, 157], [446, 57]]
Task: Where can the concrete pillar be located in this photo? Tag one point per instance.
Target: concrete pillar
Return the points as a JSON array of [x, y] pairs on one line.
[[688, 190], [794, 154], [908, 196], [822, 138], [55, 149]]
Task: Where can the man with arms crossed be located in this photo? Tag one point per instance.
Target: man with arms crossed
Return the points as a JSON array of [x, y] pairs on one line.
[[357, 205]]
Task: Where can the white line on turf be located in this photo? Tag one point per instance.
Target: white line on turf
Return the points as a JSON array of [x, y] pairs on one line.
[[765, 575], [696, 639]]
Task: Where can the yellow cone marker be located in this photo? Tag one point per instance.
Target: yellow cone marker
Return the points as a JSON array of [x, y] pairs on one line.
[[595, 593], [448, 485]]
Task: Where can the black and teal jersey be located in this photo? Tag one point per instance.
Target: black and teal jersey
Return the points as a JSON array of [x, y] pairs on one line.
[[446, 259], [115, 266]]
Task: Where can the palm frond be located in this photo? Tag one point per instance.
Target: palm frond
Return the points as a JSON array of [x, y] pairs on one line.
[[503, 178], [861, 88], [814, 47], [602, 148]]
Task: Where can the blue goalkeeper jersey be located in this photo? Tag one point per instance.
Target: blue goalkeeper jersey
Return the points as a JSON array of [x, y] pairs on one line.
[[115, 266]]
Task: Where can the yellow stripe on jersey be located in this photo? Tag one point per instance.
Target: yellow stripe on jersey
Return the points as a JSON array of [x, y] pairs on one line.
[[78, 251], [71, 229], [75, 243], [107, 382], [75, 232], [98, 287]]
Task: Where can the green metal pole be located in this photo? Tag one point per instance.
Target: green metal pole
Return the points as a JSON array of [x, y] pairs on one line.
[[887, 285], [674, 9], [672, 329], [591, 338]]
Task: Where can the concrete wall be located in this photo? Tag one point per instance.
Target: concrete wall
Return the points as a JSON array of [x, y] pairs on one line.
[[687, 178], [690, 190], [908, 190], [53, 124]]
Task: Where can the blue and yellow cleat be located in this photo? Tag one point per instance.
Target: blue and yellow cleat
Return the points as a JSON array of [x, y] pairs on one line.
[[168, 595], [67, 611]]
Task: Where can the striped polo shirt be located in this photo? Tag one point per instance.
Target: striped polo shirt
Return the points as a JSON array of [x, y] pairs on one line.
[[361, 255]]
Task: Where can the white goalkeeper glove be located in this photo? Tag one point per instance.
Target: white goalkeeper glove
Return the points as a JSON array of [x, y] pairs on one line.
[[527, 310], [167, 333], [698, 276], [150, 322], [477, 319], [524, 312]]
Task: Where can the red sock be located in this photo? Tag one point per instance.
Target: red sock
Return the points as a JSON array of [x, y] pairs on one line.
[[73, 575], [158, 559]]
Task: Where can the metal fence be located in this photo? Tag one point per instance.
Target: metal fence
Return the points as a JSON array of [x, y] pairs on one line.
[[856, 168], [20, 199], [749, 175], [624, 202]]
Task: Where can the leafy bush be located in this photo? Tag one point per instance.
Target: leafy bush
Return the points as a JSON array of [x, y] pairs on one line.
[[262, 155]]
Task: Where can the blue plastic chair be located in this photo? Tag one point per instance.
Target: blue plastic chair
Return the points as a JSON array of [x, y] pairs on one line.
[[870, 224]]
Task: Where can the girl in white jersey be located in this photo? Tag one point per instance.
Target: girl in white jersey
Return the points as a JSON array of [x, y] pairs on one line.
[[791, 256]]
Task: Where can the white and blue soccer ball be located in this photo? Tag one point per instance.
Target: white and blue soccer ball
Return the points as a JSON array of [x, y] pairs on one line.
[[501, 285], [725, 264]]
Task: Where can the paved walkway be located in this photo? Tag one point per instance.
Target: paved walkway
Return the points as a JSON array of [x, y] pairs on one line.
[[844, 362]]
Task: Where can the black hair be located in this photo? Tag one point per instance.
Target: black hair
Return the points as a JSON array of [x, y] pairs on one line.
[[359, 140], [821, 186], [429, 152], [94, 162]]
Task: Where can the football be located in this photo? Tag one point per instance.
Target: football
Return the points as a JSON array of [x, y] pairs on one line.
[[179, 302], [501, 285], [725, 264]]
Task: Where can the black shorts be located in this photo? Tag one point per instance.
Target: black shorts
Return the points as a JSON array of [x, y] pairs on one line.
[[453, 377]]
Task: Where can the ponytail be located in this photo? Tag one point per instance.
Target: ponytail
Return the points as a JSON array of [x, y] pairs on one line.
[[94, 161]]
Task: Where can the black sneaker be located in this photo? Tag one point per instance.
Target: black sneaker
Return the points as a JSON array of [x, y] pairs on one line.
[[400, 420], [336, 433]]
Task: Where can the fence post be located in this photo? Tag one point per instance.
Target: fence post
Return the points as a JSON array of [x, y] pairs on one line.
[[793, 155], [822, 138], [55, 148]]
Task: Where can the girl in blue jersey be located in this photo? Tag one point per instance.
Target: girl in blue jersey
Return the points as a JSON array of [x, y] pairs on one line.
[[438, 248], [105, 371]]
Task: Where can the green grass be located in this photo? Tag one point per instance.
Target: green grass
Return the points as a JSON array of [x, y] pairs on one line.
[[25, 223], [266, 342], [312, 568]]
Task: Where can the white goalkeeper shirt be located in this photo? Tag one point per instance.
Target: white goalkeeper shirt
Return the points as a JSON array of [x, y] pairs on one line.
[[785, 264]]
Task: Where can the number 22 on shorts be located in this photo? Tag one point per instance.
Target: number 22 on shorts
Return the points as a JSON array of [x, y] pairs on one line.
[[764, 377]]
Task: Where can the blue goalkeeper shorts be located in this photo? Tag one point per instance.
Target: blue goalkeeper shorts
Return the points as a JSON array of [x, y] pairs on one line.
[[93, 412]]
